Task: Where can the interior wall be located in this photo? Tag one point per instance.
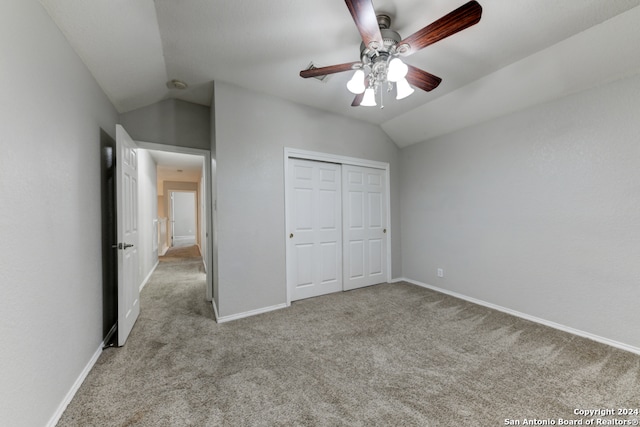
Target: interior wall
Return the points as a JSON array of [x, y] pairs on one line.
[[202, 215], [214, 202], [214, 221], [50, 216], [161, 207], [251, 131], [171, 122], [536, 212], [147, 215]]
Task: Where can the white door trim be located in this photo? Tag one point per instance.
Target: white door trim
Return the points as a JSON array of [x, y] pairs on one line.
[[332, 158], [210, 261]]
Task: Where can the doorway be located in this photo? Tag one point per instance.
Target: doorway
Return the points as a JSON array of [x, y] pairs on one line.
[[337, 211], [183, 218], [176, 172]]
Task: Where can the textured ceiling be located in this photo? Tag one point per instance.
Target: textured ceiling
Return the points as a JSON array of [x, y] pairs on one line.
[[177, 166], [134, 47]]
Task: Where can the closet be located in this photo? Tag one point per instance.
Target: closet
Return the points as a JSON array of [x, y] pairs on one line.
[[336, 227]]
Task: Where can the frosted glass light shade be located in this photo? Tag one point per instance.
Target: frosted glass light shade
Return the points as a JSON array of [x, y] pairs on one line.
[[356, 84], [403, 89], [397, 70], [369, 99]]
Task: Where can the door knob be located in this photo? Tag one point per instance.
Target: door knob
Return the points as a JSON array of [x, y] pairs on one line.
[[127, 245], [384, 231], [291, 235]]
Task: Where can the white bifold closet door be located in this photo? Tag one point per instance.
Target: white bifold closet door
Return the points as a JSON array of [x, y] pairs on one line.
[[314, 264], [364, 226]]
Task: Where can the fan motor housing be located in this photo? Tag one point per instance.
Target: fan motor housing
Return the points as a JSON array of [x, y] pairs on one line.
[[390, 38]]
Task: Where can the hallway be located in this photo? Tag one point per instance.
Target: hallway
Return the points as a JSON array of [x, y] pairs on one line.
[[147, 372], [177, 286]]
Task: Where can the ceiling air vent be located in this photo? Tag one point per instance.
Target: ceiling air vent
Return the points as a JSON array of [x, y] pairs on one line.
[[312, 66]]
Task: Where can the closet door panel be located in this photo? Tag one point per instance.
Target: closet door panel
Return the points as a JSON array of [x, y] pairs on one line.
[[364, 227]]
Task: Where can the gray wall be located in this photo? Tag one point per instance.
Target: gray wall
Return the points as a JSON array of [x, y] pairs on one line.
[[252, 130], [50, 216], [147, 214], [171, 122], [214, 200], [538, 212]]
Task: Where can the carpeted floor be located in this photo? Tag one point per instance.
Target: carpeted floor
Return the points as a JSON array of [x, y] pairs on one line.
[[387, 355], [180, 252]]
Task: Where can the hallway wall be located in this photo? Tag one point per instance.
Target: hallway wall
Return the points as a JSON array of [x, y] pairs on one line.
[[147, 215], [51, 114], [171, 122]]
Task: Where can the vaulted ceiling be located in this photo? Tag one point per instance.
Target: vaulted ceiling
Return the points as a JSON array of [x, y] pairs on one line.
[[522, 52]]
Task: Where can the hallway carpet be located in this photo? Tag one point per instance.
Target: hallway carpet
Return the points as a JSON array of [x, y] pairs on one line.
[[387, 355], [190, 251]]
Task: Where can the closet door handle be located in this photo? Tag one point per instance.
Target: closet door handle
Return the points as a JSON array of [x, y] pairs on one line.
[[291, 235]]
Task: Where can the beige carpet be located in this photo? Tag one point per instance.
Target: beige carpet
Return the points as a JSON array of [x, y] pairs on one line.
[[388, 355], [190, 251]]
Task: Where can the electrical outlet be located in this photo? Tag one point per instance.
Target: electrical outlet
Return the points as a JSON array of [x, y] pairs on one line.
[[440, 272]]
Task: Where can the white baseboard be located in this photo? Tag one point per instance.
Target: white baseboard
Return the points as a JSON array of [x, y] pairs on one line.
[[249, 313], [539, 320], [74, 388], [146, 279]]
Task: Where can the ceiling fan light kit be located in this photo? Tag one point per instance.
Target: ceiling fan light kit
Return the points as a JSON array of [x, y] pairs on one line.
[[380, 65], [397, 70], [403, 89], [369, 99], [356, 84]]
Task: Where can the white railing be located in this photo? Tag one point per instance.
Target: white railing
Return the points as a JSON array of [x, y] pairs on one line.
[[163, 242]]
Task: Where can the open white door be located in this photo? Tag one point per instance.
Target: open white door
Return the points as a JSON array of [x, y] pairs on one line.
[[364, 226], [127, 224]]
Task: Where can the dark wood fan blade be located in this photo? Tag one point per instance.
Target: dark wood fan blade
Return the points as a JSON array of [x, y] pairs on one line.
[[463, 17], [421, 79], [364, 15], [331, 69], [357, 100]]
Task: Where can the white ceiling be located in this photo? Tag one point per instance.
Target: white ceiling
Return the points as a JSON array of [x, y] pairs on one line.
[[177, 166], [521, 52]]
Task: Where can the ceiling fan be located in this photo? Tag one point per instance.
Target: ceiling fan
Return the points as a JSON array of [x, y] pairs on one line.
[[382, 48]]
